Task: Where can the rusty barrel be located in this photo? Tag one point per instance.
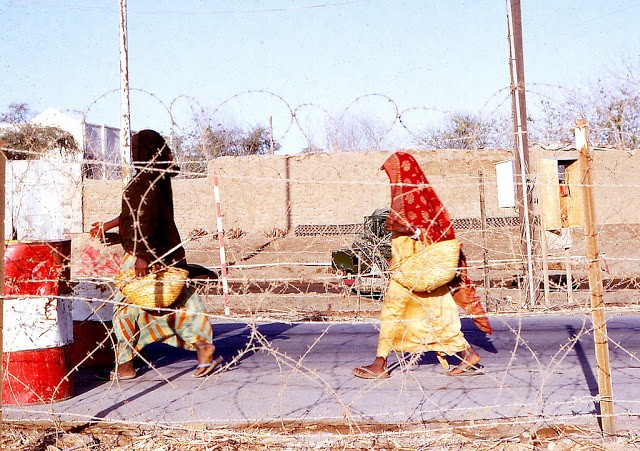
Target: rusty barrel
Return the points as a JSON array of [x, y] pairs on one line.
[[38, 329], [92, 312]]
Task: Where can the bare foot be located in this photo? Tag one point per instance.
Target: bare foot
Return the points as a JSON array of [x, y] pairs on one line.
[[377, 370], [205, 356]]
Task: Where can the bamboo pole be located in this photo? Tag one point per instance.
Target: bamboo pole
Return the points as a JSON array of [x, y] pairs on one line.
[[595, 282]]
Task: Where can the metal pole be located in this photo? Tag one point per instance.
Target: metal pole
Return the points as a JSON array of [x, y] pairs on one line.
[[595, 282], [518, 101], [125, 115]]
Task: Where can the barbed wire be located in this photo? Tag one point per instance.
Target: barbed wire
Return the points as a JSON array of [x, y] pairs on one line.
[[279, 281]]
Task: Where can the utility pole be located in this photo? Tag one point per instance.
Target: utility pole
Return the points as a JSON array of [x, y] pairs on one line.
[[125, 109], [519, 111]]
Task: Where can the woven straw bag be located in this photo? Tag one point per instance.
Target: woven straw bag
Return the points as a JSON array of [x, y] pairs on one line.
[[434, 266], [158, 289]]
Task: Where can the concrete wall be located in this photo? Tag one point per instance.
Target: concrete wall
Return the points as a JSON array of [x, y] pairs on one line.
[[193, 203], [262, 192], [259, 193]]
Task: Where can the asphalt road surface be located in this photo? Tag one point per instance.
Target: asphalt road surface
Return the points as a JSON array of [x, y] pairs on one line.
[[537, 368]]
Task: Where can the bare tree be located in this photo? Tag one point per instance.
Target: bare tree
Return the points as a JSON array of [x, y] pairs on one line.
[[355, 133], [18, 113], [233, 141], [209, 139], [611, 105], [467, 131]]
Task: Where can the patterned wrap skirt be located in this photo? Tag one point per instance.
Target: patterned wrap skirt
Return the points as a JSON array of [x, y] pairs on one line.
[[181, 325]]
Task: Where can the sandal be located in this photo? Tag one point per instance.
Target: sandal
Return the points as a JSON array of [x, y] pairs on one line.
[[473, 370], [113, 376], [210, 367], [366, 373]]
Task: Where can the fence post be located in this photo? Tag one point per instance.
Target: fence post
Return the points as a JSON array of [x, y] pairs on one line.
[[223, 258], [595, 282], [485, 250]]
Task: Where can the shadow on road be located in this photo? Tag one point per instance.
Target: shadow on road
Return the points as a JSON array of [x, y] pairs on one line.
[[589, 377], [238, 342]]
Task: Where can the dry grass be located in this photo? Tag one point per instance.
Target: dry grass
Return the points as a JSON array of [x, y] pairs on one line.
[[479, 437]]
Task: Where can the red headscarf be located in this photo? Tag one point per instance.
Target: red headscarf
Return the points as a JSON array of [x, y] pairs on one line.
[[414, 203]]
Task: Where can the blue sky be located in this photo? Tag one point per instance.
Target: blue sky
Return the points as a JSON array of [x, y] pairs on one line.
[[249, 60]]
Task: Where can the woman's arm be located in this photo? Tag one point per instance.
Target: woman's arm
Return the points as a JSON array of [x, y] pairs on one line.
[[99, 228]]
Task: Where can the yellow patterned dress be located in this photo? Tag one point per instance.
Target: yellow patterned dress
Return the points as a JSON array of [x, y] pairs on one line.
[[418, 322]]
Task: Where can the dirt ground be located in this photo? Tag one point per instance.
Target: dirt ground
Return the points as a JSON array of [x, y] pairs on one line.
[[477, 436]]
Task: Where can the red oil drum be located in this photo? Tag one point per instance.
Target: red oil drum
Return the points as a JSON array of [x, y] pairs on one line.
[[38, 329], [92, 308]]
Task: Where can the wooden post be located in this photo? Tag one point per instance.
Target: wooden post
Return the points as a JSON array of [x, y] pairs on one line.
[[545, 262], [595, 282], [485, 251], [223, 255], [567, 264]]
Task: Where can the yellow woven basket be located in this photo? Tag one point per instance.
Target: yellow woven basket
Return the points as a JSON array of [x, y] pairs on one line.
[[158, 289], [434, 266]]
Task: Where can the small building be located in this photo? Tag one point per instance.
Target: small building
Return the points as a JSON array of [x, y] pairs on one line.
[[99, 144]]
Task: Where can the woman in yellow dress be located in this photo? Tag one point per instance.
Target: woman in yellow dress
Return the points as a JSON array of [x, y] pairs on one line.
[[412, 322]]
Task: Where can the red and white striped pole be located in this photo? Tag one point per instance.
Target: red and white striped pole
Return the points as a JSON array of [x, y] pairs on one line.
[[223, 258]]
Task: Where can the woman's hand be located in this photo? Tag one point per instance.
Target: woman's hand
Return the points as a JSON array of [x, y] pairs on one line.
[[97, 230], [141, 267]]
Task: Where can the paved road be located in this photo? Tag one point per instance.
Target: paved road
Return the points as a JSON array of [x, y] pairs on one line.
[[537, 368]]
